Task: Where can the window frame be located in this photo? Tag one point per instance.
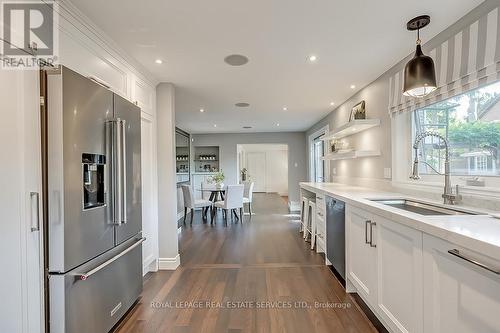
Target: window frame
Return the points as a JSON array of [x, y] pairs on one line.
[[310, 144], [402, 159]]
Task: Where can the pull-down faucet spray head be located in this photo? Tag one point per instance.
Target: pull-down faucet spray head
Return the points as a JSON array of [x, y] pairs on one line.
[[414, 172]]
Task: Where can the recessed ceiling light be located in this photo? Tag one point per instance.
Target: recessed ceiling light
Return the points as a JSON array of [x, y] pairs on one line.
[[313, 58], [332, 103], [353, 86], [236, 60], [242, 105], [159, 61], [202, 110], [285, 108], [215, 125], [247, 127], [278, 124]]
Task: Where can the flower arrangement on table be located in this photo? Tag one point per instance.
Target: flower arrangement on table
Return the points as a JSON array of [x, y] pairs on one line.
[[218, 179]]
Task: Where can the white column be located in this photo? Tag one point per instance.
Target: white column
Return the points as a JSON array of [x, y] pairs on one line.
[[167, 191]]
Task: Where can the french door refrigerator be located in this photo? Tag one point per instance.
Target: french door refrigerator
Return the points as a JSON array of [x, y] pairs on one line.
[[94, 203]]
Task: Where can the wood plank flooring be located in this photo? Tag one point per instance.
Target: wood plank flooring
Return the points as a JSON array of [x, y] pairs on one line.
[[255, 276]]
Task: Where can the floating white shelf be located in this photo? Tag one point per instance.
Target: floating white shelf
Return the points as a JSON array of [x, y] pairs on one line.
[[351, 154], [352, 127]]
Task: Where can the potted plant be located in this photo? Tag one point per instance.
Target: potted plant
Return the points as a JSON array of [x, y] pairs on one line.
[[218, 179], [244, 174]]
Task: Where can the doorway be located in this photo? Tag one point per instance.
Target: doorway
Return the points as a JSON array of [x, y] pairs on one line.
[[266, 165]]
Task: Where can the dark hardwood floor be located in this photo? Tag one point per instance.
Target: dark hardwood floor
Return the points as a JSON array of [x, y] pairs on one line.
[[255, 276]]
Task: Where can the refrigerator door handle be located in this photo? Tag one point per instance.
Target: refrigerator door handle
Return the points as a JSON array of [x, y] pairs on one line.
[[35, 211], [123, 124], [116, 167], [85, 276]]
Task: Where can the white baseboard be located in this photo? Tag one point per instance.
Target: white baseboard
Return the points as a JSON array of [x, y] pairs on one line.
[[149, 265], [294, 206], [169, 263]]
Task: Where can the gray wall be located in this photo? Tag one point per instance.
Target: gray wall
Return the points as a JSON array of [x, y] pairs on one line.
[[297, 162], [370, 171]]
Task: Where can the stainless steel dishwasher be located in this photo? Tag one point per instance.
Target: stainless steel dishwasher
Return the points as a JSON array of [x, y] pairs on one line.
[[335, 236]]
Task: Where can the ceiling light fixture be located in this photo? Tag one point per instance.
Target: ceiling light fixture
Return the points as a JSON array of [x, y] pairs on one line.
[[278, 124], [247, 127], [285, 108], [353, 86], [332, 103], [420, 74], [215, 125], [159, 61], [242, 105], [313, 58], [202, 110]]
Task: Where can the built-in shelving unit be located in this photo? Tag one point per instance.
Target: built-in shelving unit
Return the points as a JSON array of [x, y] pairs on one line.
[[206, 159], [351, 154], [352, 127]]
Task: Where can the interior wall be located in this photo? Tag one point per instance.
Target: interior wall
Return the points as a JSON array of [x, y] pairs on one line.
[[369, 171], [297, 162]]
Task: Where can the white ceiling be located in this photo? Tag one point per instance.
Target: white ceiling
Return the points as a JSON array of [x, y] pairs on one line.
[[355, 41]]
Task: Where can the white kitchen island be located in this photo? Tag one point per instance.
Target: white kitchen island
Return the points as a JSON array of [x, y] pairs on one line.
[[419, 273]]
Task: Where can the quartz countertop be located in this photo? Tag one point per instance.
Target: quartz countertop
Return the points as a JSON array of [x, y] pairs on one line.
[[480, 233]]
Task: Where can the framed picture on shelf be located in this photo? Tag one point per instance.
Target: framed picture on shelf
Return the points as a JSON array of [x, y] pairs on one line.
[[358, 111]]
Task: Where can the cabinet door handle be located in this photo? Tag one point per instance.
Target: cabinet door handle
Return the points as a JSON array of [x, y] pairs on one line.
[[457, 253], [367, 222], [35, 212], [371, 234]]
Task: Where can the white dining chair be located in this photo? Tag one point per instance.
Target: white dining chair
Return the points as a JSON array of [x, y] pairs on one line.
[[191, 203], [233, 200], [248, 195]]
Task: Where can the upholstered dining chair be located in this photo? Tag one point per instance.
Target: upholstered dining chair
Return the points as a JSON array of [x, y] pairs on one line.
[[191, 203], [233, 200], [248, 195]]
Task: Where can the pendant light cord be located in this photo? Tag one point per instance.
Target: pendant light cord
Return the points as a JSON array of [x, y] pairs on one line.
[[418, 37]]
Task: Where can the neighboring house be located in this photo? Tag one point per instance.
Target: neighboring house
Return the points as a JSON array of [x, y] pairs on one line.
[[491, 110], [480, 163]]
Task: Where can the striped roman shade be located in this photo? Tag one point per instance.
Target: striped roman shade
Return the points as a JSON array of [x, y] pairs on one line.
[[465, 61]]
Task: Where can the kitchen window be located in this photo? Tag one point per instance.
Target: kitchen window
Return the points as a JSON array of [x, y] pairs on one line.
[[471, 123]]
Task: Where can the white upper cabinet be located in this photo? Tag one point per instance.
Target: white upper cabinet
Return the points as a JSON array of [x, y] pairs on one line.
[[399, 275], [143, 95], [459, 296], [361, 256]]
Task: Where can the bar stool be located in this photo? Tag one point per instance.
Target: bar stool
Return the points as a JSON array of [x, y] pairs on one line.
[[304, 209], [311, 223]]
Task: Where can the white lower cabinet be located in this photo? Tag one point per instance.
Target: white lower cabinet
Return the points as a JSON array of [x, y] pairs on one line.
[[360, 256], [399, 275], [459, 296], [384, 264]]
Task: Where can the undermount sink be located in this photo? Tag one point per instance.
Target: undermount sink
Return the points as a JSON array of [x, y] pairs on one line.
[[422, 208]]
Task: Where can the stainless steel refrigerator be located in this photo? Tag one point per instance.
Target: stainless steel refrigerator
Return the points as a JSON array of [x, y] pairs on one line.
[[94, 203]]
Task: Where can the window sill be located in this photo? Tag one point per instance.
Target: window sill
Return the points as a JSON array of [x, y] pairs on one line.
[[434, 187]]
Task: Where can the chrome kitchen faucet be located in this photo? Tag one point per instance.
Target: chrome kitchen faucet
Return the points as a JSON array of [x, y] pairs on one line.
[[449, 197]]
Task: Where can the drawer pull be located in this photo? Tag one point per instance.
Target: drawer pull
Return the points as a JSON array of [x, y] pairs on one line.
[[85, 276], [371, 234], [367, 222], [457, 253]]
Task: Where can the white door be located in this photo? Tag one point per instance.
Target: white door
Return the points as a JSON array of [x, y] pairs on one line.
[[361, 256], [256, 165], [21, 281], [399, 280], [459, 296]]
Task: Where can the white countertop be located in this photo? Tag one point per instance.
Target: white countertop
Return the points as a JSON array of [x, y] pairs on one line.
[[479, 233]]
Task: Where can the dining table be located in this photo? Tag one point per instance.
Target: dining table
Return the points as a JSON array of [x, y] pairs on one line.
[[216, 194]]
